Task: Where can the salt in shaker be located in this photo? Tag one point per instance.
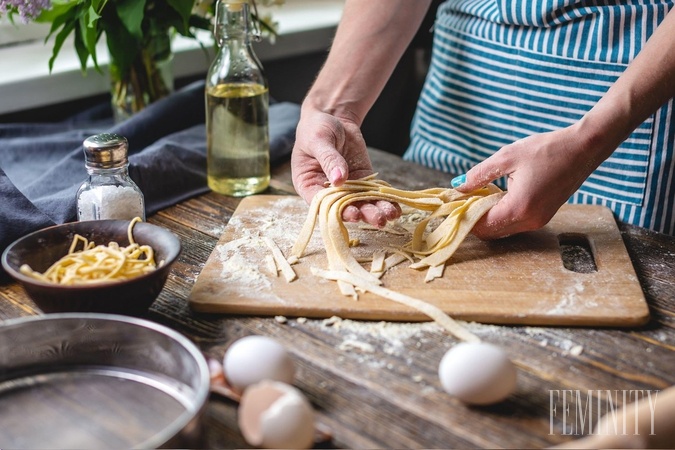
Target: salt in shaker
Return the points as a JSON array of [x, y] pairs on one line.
[[108, 192]]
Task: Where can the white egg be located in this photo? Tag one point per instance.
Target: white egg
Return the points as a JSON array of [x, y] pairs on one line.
[[252, 359], [477, 373], [276, 415]]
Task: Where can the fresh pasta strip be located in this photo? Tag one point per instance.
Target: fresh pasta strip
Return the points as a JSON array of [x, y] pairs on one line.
[[432, 311], [337, 227], [457, 213], [334, 262], [98, 263], [434, 272], [445, 232], [397, 258], [377, 264], [281, 262], [473, 214], [312, 216], [461, 212], [386, 229]]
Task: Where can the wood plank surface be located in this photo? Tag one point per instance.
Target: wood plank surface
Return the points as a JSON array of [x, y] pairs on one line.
[[517, 280], [390, 397]]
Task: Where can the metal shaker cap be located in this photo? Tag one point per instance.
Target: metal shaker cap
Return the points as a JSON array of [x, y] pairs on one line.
[[106, 151]]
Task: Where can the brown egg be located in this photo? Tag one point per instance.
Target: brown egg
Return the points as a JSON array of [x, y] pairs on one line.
[[273, 414]]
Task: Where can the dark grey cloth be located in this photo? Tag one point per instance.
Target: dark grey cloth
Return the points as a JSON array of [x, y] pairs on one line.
[[42, 165]]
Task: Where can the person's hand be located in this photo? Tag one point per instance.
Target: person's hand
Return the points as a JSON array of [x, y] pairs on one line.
[[542, 172], [332, 149]]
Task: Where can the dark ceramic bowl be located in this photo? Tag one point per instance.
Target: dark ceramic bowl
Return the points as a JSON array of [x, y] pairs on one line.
[[131, 297]]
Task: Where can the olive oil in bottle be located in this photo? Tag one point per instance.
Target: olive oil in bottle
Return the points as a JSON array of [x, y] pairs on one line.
[[237, 138], [237, 106]]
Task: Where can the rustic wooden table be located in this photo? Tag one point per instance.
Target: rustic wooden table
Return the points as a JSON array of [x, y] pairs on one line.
[[390, 396]]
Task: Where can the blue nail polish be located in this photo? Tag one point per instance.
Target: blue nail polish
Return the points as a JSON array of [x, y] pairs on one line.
[[458, 181]]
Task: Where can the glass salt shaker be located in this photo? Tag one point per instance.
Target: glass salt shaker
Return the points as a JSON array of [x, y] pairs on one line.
[[108, 192]]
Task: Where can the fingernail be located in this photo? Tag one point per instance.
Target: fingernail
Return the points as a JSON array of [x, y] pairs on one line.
[[458, 181], [336, 174]]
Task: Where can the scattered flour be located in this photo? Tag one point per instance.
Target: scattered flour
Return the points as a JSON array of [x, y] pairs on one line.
[[238, 268], [352, 343], [564, 304], [275, 223], [566, 345], [576, 350], [369, 336], [569, 300], [241, 258], [661, 336], [217, 230]]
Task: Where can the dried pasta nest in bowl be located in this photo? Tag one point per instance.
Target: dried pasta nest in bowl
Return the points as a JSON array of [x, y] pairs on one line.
[[120, 294]]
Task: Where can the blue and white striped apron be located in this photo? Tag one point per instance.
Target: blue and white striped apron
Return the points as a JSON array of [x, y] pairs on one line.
[[505, 69]]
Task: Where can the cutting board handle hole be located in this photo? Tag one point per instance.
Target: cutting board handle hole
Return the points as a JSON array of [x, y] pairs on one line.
[[576, 253]]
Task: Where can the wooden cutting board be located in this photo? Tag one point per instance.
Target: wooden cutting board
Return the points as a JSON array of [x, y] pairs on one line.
[[517, 280]]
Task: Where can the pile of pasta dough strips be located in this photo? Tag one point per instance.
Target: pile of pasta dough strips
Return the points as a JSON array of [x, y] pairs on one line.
[[454, 212]]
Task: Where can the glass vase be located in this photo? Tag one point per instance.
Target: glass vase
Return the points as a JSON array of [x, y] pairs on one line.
[[148, 78]]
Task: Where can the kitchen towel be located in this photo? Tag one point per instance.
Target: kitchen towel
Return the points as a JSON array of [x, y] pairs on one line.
[[42, 164]]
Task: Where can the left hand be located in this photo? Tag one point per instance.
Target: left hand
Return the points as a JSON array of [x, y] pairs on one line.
[[330, 149], [542, 171]]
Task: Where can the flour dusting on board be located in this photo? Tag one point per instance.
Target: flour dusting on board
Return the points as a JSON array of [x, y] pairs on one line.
[[568, 300], [241, 260], [237, 266], [521, 277], [277, 223]]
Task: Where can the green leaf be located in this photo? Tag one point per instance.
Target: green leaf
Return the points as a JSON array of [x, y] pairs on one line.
[[184, 10], [87, 37], [98, 5], [58, 42], [82, 51], [57, 11], [123, 47], [66, 22], [68, 16], [92, 16], [131, 13]]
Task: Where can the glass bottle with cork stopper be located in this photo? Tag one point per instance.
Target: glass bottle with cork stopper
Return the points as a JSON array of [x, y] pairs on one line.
[[108, 192], [237, 107]]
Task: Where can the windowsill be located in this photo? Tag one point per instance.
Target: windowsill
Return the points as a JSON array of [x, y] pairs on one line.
[[25, 82]]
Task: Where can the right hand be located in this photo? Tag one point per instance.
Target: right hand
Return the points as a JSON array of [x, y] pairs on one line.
[[542, 170], [332, 149]]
